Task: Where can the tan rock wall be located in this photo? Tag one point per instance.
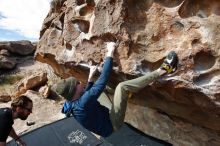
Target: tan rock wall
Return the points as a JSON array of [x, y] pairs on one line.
[[75, 32]]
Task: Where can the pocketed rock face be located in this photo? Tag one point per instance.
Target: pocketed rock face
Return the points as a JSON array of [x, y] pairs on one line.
[[75, 31]]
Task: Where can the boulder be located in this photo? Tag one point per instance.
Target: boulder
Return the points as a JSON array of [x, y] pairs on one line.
[[44, 91], [7, 62], [75, 32], [18, 47], [4, 52], [5, 98], [30, 82]]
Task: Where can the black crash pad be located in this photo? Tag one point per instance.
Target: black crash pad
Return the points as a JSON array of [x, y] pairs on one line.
[[65, 132], [68, 132], [130, 136]]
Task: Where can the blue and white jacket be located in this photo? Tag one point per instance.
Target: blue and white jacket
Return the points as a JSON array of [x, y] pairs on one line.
[[87, 110]]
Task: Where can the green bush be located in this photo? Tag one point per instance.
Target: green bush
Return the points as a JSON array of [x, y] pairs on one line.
[[9, 79]]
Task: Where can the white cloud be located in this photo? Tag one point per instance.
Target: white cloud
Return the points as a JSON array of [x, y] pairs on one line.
[[24, 16]]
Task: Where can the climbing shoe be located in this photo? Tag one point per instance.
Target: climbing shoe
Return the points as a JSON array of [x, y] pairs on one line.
[[170, 63]]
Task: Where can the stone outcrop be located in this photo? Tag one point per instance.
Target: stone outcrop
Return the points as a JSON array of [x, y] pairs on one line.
[[18, 47], [30, 82], [7, 62], [75, 31], [5, 98], [44, 91], [13, 51]]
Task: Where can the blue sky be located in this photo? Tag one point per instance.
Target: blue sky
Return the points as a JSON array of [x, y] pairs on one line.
[[6, 34], [22, 19]]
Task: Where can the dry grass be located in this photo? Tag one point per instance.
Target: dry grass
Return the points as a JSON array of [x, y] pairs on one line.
[[10, 79], [7, 83]]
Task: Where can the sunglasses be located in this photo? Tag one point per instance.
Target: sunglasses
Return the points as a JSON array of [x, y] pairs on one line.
[[29, 110]]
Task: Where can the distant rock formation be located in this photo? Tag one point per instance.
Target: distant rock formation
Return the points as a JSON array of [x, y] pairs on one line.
[[75, 32], [10, 49], [18, 47]]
